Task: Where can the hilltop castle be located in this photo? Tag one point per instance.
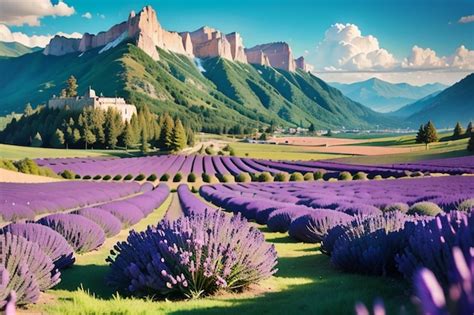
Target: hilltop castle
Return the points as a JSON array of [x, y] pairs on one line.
[[90, 99]]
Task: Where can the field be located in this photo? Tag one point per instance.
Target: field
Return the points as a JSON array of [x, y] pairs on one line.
[[342, 226]]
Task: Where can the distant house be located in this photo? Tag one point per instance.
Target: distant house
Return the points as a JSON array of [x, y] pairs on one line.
[[90, 99]]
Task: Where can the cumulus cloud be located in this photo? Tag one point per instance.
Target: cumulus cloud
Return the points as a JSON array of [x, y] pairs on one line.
[[466, 19], [20, 12], [87, 15], [425, 58], [345, 48], [31, 41]]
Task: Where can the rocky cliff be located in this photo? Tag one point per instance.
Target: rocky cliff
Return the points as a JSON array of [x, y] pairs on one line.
[[208, 42], [257, 57], [279, 55], [237, 47], [143, 28], [300, 63]]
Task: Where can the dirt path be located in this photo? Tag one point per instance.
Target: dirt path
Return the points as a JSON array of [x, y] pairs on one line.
[[8, 176], [174, 210]]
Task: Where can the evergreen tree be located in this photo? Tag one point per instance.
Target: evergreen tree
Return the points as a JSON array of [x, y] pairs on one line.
[[71, 89], [89, 137], [144, 143], [329, 133], [311, 128], [421, 135], [69, 132], [458, 131], [57, 140], [469, 129], [37, 140], [166, 135], [189, 137], [112, 128], [127, 136], [430, 133], [179, 137], [470, 145], [76, 136]]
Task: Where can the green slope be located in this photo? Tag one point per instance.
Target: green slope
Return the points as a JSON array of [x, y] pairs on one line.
[[14, 49], [224, 95]]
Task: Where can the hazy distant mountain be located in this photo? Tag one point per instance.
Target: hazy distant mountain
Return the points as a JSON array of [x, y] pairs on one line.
[[15, 49], [384, 96], [415, 107], [454, 104]]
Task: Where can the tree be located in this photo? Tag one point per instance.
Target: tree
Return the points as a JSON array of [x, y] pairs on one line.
[[189, 137], [311, 128], [470, 145], [179, 137], [57, 140], [37, 141], [71, 89], [89, 137], [112, 128], [329, 133], [421, 135], [430, 133], [458, 131], [127, 137], [144, 146], [263, 137], [469, 129], [166, 135]]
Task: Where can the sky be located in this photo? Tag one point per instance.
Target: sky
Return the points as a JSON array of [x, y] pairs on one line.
[[417, 41]]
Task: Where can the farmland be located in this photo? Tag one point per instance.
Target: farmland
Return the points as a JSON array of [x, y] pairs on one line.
[[300, 214]]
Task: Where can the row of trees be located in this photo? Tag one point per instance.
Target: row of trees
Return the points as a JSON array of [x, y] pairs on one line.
[[460, 133], [95, 128]]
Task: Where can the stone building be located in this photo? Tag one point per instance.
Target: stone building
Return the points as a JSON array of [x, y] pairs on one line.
[[90, 99]]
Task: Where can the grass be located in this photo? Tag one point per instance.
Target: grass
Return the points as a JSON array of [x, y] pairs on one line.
[[14, 152], [305, 283], [279, 152]]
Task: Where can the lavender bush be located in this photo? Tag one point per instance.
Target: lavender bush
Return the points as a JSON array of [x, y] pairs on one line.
[[193, 256], [83, 234], [106, 220], [51, 242]]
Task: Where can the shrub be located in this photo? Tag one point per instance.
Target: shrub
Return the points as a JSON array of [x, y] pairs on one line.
[[117, 177], [378, 177], [27, 166], [296, 177], [86, 177], [191, 178], [425, 208], [319, 174], [360, 176], [165, 177], [106, 220], [227, 178], [166, 256], [53, 244], [106, 177], [177, 177], [194, 190], [209, 151], [152, 178], [97, 177], [281, 177], [265, 177], [243, 178], [82, 234], [128, 177], [140, 177], [397, 206], [220, 153], [360, 209], [77, 176], [466, 205], [8, 165], [25, 269], [128, 213], [308, 176], [206, 178], [345, 176], [280, 219], [255, 177], [67, 174]]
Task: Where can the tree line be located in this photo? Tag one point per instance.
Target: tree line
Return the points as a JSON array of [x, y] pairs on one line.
[[95, 128]]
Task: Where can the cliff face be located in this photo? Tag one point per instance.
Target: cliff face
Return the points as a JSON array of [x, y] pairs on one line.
[[143, 28], [279, 55]]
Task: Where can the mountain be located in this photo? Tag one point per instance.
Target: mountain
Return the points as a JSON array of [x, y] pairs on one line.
[[14, 49], [205, 77], [454, 104], [413, 108], [384, 96]]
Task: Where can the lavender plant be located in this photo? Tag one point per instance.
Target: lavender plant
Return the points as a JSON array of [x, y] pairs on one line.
[[193, 256]]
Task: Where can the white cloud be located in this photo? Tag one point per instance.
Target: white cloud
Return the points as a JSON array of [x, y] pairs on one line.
[[425, 58], [344, 47], [466, 19], [87, 15], [31, 41], [20, 12], [101, 16]]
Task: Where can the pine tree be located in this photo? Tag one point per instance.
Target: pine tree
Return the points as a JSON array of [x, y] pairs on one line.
[[470, 145], [76, 136], [430, 133], [57, 140], [71, 89], [112, 128], [179, 137], [458, 131], [190, 137], [166, 135], [127, 136], [421, 135], [144, 143], [89, 137], [311, 128], [37, 140], [469, 129]]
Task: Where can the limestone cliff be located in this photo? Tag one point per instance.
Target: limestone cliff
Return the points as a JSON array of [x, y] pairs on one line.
[[301, 64], [257, 57], [279, 55], [208, 42], [237, 47]]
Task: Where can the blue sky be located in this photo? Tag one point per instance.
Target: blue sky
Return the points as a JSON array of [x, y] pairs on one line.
[[397, 25]]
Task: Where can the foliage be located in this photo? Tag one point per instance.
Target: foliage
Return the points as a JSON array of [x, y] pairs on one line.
[[425, 208], [243, 178], [458, 132], [140, 177], [177, 177], [265, 177], [191, 178], [206, 178], [345, 176], [165, 177], [296, 177], [67, 174], [152, 178]]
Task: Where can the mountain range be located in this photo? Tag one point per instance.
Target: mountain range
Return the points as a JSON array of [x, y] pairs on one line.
[[14, 49], [382, 96], [206, 77]]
